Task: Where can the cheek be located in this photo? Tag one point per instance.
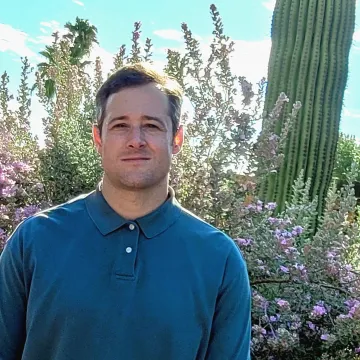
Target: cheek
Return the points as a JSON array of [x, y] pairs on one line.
[[110, 148], [163, 147]]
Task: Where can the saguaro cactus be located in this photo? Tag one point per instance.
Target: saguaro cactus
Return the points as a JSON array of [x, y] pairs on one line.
[[311, 41]]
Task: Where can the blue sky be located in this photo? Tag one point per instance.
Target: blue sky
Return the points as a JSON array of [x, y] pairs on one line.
[[25, 28]]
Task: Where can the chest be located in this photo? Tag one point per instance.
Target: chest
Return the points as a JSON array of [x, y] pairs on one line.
[[126, 285]]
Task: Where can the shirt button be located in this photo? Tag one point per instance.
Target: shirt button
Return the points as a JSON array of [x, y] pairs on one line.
[[129, 250], [131, 226]]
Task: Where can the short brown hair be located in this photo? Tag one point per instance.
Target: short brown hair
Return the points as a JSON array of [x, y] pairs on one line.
[[137, 75]]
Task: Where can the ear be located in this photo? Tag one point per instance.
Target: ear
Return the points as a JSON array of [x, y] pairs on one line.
[[178, 140], [97, 137]]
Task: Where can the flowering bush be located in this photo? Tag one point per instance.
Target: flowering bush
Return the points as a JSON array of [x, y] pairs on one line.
[[21, 190], [306, 290], [20, 193]]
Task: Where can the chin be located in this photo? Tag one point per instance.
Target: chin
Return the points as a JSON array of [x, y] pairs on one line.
[[137, 184]]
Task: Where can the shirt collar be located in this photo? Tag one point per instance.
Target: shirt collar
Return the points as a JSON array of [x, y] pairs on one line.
[[152, 224]]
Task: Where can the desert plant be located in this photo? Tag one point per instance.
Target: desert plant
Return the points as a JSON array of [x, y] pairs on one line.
[[309, 62]]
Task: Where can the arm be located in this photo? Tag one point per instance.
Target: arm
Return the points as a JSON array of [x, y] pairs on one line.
[[12, 300], [231, 328]]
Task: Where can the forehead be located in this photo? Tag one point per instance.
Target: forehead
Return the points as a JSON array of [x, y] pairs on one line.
[[145, 99]]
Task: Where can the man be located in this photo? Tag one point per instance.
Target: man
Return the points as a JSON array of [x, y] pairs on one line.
[[125, 272]]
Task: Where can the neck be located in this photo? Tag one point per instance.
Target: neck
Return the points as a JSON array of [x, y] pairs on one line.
[[132, 204]]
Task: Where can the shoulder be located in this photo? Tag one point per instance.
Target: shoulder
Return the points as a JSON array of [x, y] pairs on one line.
[[49, 221], [208, 238], [214, 251]]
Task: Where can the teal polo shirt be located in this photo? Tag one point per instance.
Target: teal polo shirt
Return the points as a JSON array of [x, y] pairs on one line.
[[79, 282]]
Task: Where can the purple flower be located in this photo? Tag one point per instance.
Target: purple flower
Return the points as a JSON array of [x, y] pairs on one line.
[[318, 310], [325, 337], [297, 230], [348, 267], [2, 234], [283, 303], [23, 213], [259, 300], [243, 242], [258, 329], [3, 238], [273, 318], [284, 241], [3, 210], [284, 269], [301, 269], [21, 166], [270, 206], [311, 325], [8, 191], [258, 207], [357, 350], [350, 303], [355, 310], [272, 220], [5, 181]]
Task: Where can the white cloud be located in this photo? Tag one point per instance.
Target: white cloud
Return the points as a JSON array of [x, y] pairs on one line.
[[356, 35], [50, 24], [352, 114], [48, 28], [170, 34], [250, 58], [107, 59], [270, 4], [14, 40], [78, 2]]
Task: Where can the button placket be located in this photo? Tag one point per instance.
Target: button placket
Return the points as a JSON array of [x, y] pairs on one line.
[[125, 265]]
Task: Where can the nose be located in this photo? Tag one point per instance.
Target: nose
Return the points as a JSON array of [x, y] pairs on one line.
[[136, 138]]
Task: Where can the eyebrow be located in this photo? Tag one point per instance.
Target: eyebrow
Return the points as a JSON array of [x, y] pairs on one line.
[[144, 117]]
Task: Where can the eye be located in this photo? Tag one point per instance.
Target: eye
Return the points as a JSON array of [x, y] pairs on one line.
[[152, 126], [119, 126]]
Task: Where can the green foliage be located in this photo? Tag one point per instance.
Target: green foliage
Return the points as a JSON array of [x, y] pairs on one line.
[[79, 40], [348, 153]]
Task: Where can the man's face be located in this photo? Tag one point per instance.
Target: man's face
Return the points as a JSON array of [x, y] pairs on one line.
[[137, 144]]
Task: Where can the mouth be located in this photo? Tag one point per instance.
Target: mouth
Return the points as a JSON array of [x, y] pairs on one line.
[[137, 159]]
